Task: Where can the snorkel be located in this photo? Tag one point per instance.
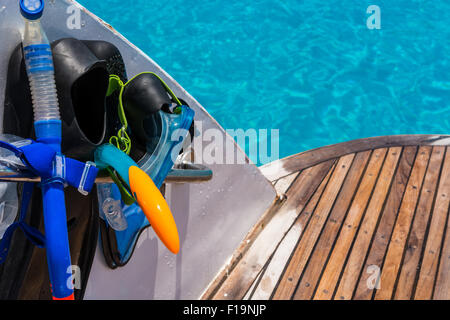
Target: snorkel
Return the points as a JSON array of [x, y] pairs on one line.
[[47, 123], [144, 191]]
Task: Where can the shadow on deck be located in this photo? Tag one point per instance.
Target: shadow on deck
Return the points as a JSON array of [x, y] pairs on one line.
[[366, 219]]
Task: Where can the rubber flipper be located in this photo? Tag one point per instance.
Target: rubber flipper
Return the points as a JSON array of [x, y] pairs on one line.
[[143, 97], [104, 50], [82, 70], [114, 63], [18, 112], [81, 81]]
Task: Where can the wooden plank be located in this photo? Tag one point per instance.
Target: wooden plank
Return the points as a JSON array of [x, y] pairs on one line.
[[430, 261], [299, 226], [246, 243], [277, 264], [301, 255], [312, 272], [442, 289], [249, 293], [416, 238], [393, 260], [330, 276], [283, 184], [381, 239], [358, 253], [283, 167], [247, 269], [301, 222]]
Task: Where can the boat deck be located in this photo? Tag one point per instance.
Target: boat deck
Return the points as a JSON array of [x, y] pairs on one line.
[[367, 219]]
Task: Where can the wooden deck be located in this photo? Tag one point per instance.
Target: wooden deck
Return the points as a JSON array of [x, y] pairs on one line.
[[367, 219]]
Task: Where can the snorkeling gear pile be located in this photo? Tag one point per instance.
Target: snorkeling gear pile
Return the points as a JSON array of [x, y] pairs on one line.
[[103, 124]]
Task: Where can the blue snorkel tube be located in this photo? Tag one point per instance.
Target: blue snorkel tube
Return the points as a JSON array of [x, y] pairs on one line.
[[47, 122]]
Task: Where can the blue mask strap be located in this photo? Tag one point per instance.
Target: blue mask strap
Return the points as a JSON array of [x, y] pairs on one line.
[[34, 235], [38, 157]]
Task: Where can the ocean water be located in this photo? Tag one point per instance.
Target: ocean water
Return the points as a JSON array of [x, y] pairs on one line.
[[310, 68]]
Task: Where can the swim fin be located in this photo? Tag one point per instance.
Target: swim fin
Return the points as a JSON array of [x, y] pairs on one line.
[[82, 70]]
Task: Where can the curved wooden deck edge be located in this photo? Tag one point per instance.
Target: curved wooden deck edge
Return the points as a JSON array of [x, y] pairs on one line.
[[280, 168], [254, 232]]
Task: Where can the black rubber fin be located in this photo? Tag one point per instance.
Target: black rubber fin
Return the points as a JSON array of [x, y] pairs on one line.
[[82, 70], [142, 98]]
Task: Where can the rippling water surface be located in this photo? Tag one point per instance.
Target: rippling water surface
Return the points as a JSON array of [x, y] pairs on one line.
[[311, 69]]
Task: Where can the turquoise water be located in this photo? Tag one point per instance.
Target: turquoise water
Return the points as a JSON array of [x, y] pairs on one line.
[[311, 69]]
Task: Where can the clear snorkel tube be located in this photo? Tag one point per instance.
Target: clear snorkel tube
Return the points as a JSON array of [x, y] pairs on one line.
[[40, 71]]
